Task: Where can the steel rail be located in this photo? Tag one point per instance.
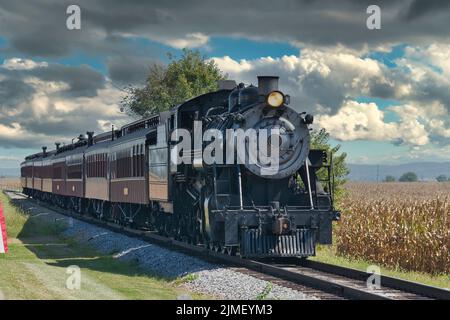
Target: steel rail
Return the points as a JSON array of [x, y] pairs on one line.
[[387, 281]]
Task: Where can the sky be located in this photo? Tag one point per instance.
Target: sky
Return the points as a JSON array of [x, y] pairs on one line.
[[383, 94]]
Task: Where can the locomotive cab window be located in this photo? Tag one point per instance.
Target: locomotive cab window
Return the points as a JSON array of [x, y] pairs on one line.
[[157, 163]]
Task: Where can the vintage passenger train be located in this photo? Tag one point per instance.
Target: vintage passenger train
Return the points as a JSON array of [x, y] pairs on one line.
[[126, 176]]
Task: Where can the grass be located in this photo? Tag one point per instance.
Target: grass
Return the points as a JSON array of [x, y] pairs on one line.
[[187, 278], [265, 293], [36, 266]]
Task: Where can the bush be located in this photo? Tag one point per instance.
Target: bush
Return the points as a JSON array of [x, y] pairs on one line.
[[408, 177]]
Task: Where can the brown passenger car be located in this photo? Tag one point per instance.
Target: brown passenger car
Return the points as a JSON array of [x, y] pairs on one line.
[[96, 172], [74, 173], [127, 169]]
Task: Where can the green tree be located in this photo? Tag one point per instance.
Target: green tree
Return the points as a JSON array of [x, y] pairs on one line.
[[408, 177], [442, 178], [320, 140], [390, 178], [182, 79]]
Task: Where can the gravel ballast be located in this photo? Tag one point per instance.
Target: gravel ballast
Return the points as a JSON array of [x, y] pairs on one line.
[[203, 277]]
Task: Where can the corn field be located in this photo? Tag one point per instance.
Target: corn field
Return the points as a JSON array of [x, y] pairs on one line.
[[400, 225], [10, 183]]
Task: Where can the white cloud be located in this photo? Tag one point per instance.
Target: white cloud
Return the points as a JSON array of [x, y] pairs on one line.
[[437, 55], [365, 121], [317, 80], [191, 40], [228, 65], [22, 64]]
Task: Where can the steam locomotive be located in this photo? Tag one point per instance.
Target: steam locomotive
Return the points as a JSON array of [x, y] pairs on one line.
[[231, 205]]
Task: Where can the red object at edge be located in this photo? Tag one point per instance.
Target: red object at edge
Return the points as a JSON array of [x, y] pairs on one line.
[[3, 229]]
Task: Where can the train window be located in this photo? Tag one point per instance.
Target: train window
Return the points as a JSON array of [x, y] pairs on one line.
[[130, 161], [137, 161], [133, 164], [172, 122], [141, 160], [132, 168], [111, 161], [100, 174], [141, 166], [152, 138], [158, 164]]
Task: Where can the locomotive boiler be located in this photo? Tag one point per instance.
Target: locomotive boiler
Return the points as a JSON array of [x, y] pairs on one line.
[[248, 182]]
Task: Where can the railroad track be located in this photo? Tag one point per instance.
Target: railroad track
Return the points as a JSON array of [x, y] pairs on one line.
[[321, 280]]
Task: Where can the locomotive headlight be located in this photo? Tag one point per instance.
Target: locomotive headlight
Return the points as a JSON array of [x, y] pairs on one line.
[[275, 99]]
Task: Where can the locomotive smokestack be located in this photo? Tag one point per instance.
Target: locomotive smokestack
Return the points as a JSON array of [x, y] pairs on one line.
[[90, 135], [57, 144], [44, 151], [267, 84]]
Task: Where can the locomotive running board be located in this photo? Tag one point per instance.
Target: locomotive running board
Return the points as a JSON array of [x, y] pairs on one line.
[[300, 243]]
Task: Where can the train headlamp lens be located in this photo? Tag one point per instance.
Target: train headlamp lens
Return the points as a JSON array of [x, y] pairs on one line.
[[275, 99]]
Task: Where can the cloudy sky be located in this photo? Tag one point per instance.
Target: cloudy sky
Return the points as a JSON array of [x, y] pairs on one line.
[[383, 94]]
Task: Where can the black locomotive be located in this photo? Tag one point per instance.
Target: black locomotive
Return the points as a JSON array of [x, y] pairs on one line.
[[231, 204]]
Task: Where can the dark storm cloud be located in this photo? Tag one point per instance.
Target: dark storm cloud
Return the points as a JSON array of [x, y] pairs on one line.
[[129, 70], [421, 8], [70, 125], [38, 28], [83, 81], [13, 91]]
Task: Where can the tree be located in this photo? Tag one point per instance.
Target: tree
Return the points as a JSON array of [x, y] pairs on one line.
[[389, 178], [408, 177], [320, 140], [182, 79], [442, 178]]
